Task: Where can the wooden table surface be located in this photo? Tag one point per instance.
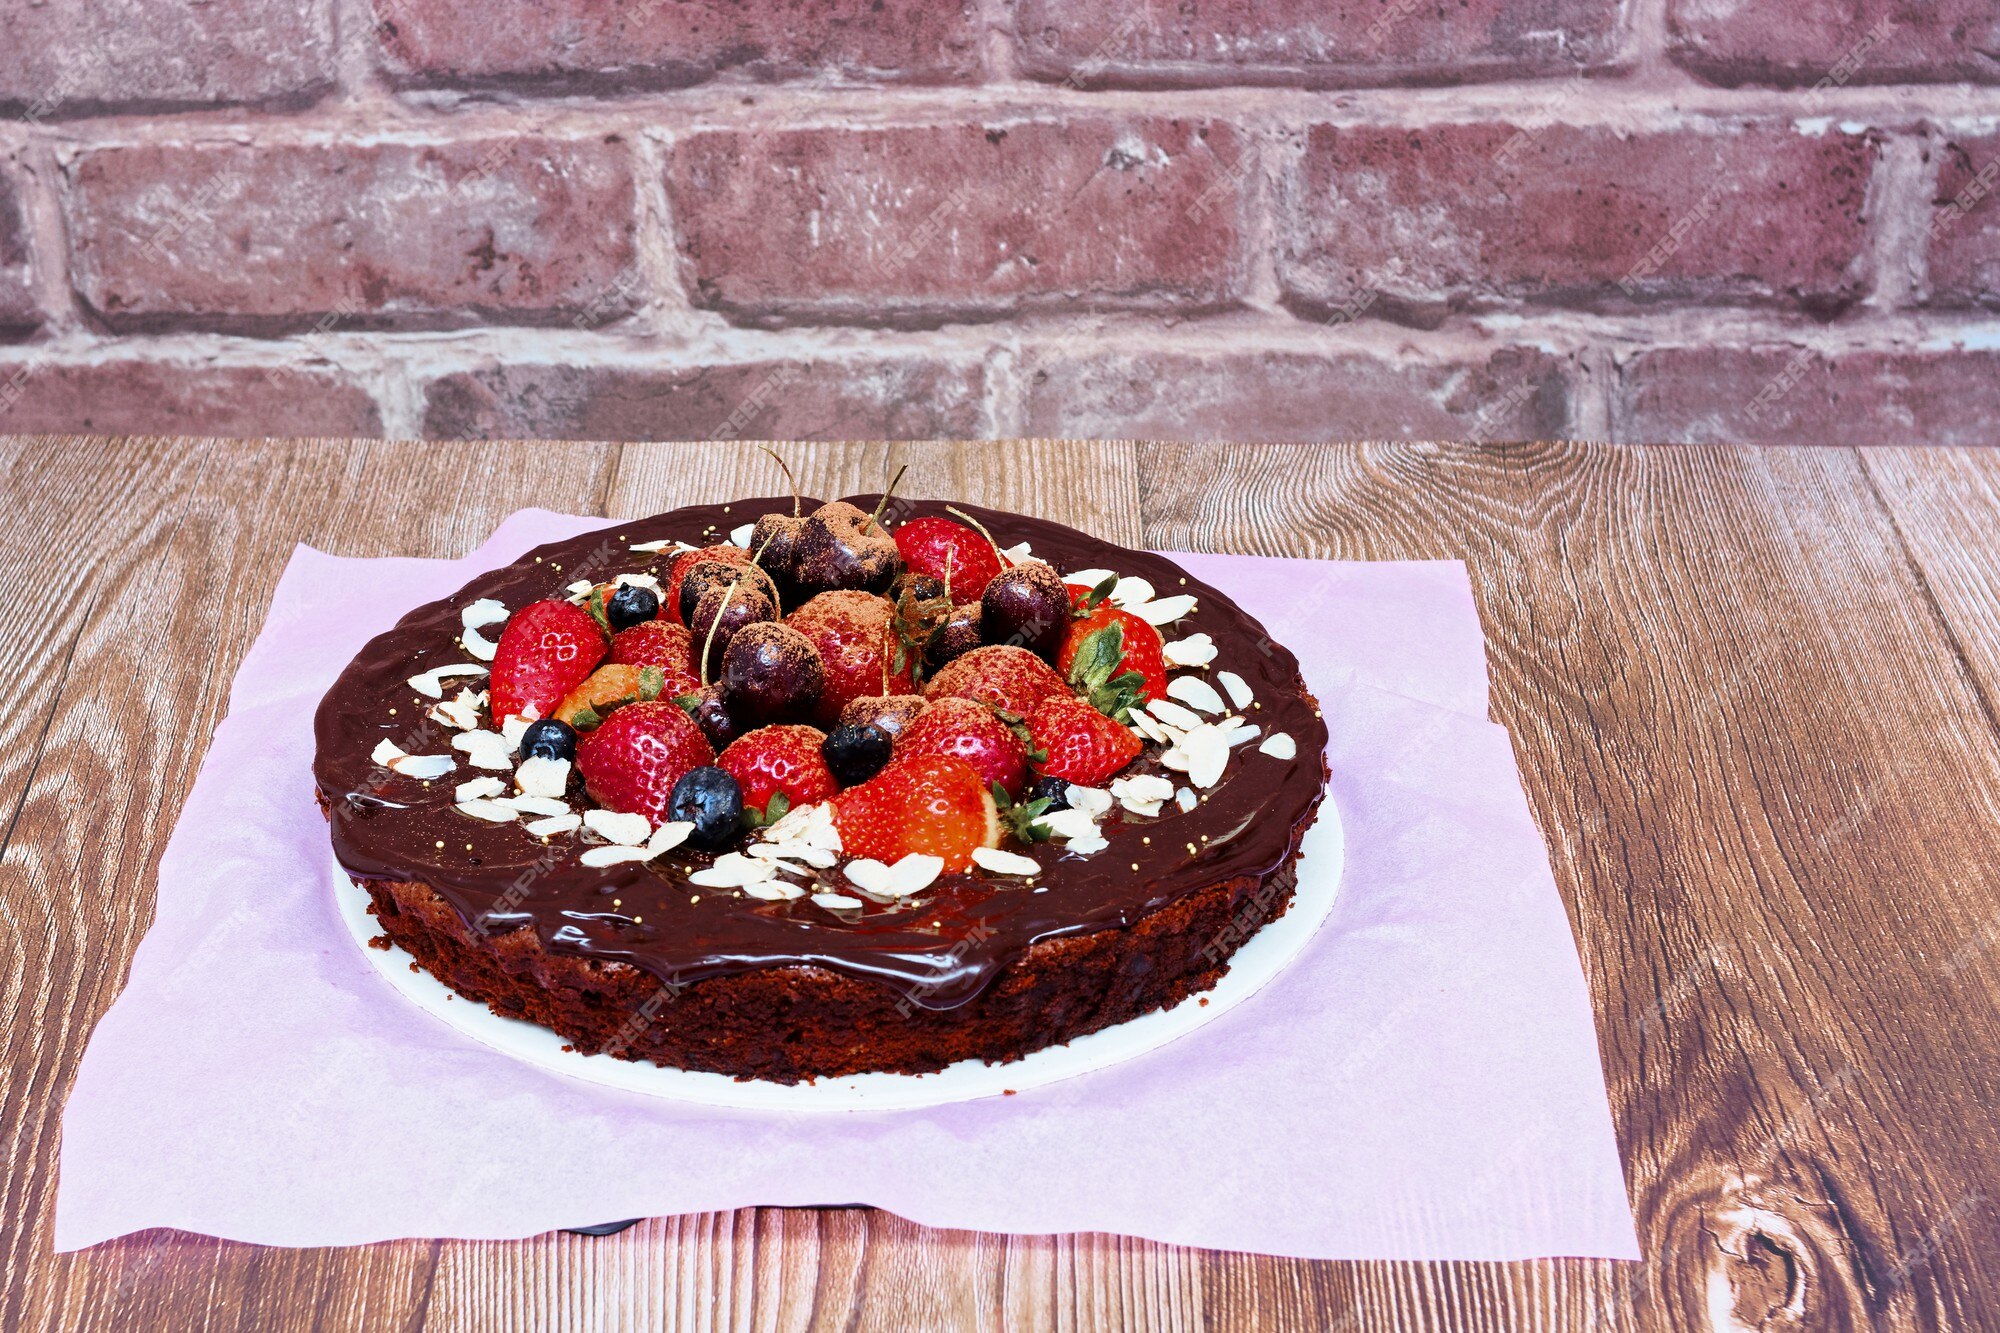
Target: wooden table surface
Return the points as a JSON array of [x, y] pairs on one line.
[[1755, 696]]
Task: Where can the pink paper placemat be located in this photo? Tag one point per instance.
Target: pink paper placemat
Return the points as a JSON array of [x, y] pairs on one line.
[[1422, 1083]]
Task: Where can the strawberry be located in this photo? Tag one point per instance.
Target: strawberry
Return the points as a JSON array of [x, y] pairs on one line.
[[1009, 678], [1114, 658], [928, 804], [950, 551], [855, 634], [547, 650], [779, 761], [633, 760], [607, 688], [677, 568], [1079, 744], [659, 644], [970, 731]]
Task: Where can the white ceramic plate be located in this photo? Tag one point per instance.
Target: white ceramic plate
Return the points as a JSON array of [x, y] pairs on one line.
[[1261, 958]]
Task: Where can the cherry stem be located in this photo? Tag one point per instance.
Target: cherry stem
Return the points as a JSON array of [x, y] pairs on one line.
[[790, 480], [980, 528], [883, 503], [708, 645]]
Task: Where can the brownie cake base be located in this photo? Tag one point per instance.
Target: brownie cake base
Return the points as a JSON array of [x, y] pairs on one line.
[[795, 1023]]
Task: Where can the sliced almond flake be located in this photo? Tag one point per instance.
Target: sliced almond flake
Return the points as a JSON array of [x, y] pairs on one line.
[[1148, 726], [581, 588], [535, 805], [491, 811], [1005, 863], [1165, 611], [646, 581], [516, 727], [733, 870], [430, 683], [478, 645], [485, 611], [473, 789], [424, 767], [1196, 650], [916, 872], [1093, 801], [1208, 755], [599, 857], [647, 548], [618, 826], [1085, 846], [1143, 794], [836, 902], [1014, 555], [771, 891], [484, 749], [1175, 716], [667, 837], [1067, 824], [1280, 746], [1239, 689], [386, 751], [870, 875], [1131, 591], [1196, 693], [1241, 732], [1087, 578], [741, 536], [554, 824], [1185, 798], [793, 851], [539, 775], [460, 711]]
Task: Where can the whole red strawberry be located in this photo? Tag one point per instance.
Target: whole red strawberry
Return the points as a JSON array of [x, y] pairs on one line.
[[855, 634], [1007, 677], [966, 730], [1079, 743], [1110, 644], [949, 551], [677, 568], [771, 760], [632, 762], [927, 804], [547, 650], [666, 646]]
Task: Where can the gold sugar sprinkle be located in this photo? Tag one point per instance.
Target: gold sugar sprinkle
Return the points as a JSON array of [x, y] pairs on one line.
[[440, 844]]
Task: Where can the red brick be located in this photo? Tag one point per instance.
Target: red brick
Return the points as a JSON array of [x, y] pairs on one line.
[[1962, 230], [258, 240], [18, 311], [928, 224], [667, 43], [888, 398], [1796, 395], [77, 58], [152, 398], [1829, 44], [1427, 220], [1310, 42], [1511, 394]]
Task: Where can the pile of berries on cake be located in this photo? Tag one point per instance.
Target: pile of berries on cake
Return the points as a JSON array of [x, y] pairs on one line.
[[820, 691]]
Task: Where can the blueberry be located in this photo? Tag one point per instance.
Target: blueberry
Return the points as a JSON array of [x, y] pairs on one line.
[[708, 798], [630, 605], [1054, 790], [549, 739], [855, 753]]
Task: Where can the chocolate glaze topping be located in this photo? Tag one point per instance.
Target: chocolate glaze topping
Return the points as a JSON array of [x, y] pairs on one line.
[[941, 950]]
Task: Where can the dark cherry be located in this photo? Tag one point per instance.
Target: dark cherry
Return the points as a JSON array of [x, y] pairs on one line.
[[856, 753], [706, 576], [889, 713], [771, 672], [549, 739], [1054, 790], [631, 605], [708, 798], [960, 634], [739, 606], [712, 715], [774, 543], [839, 546], [1026, 606]]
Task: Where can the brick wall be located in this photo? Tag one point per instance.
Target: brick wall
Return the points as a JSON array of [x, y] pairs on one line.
[[1656, 220]]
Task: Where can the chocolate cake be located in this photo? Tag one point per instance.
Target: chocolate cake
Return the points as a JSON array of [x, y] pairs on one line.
[[943, 828]]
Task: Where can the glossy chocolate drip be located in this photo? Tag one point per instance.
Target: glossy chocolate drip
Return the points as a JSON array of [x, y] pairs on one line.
[[941, 951]]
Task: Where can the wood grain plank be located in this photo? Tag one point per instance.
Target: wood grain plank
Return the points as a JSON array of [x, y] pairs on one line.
[[1735, 710]]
